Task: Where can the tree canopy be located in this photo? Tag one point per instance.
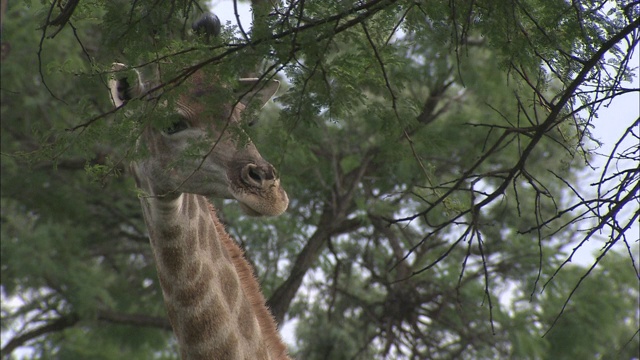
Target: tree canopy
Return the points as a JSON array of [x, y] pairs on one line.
[[435, 155]]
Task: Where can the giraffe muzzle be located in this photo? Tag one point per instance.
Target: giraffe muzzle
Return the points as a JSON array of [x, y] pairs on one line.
[[258, 176]]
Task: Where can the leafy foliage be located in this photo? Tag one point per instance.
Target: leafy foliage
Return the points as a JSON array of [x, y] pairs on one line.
[[433, 153]]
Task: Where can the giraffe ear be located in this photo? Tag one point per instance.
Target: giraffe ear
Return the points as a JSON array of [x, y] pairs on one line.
[[256, 91], [124, 84]]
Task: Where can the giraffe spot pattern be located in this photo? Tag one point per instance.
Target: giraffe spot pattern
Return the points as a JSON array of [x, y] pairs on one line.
[[247, 323], [203, 228], [170, 232], [197, 288], [204, 325], [166, 285], [230, 285], [205, 300], [172, 259]]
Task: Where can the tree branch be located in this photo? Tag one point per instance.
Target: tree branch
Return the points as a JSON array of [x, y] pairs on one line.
[[55, 326], [135, 319]]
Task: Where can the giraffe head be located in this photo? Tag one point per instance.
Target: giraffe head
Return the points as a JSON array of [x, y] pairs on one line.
[[203, 150]]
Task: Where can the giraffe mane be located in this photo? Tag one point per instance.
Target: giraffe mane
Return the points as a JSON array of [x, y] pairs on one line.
[[251, 288]]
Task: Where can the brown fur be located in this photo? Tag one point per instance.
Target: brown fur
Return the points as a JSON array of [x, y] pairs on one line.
[[212, 296], [252, 291]]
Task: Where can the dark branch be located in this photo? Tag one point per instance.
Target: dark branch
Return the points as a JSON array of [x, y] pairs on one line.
[[135, 319], [55, 326]]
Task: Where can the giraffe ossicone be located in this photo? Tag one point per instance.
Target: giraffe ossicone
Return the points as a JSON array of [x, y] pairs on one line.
[[212, 297], [227, 167]]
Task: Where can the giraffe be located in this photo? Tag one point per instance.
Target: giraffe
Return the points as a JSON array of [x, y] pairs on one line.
[[211, 295]]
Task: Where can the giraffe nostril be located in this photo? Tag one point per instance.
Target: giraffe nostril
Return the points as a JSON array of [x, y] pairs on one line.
[[260, 176], [254, 173]]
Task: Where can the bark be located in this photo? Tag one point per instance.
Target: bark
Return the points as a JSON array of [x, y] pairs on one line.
[[57, 325], [135, 319], [333, 221]]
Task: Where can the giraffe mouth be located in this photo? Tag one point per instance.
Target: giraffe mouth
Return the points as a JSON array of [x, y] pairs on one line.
[[256, 205], [248, 210], [257, 189]]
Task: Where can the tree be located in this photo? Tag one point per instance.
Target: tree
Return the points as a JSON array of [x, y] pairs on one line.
[[432, 152]]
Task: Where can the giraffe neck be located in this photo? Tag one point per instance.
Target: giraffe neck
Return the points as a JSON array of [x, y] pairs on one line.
[[212, 297]]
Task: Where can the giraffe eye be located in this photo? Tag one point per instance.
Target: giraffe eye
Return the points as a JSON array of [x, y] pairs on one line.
[[177, 126]]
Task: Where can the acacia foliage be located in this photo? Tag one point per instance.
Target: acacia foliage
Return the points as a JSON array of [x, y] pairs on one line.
[[432, 152]]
